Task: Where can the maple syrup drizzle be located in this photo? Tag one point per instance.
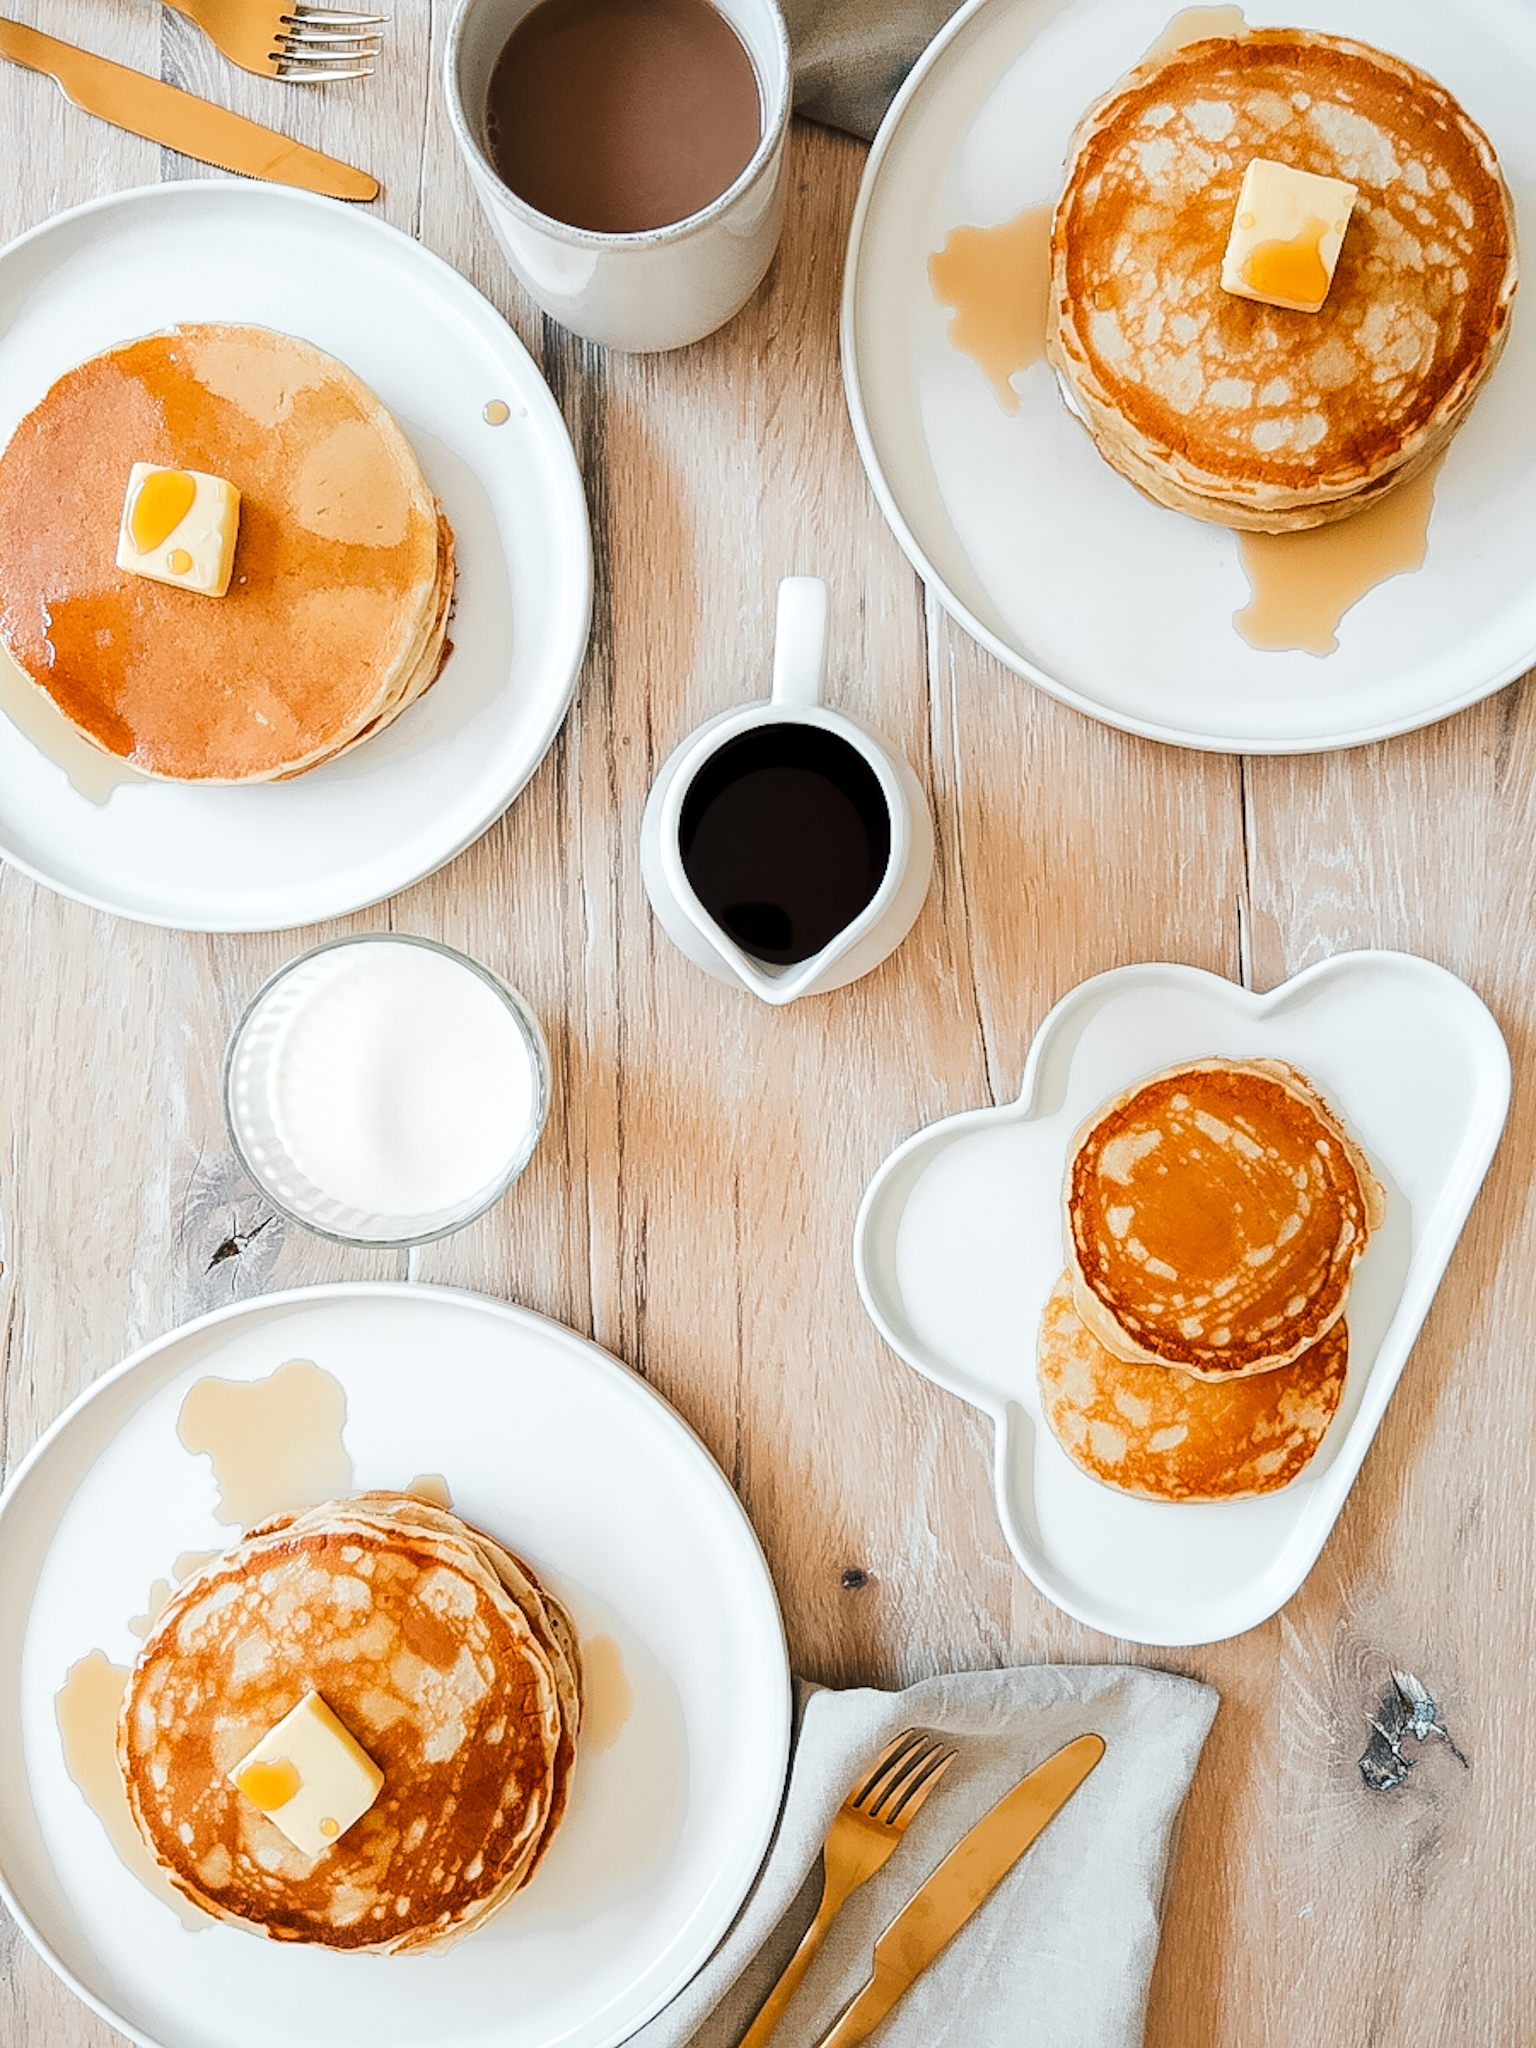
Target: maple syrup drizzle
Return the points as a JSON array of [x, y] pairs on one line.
[[997, 282], [275, 1444], [91, 773], [1302, 584]]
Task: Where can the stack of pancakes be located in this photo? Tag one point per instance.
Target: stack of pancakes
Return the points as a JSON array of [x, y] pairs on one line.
[[336, 618], [1195, 1348], [1255, 415], [442, 1656]]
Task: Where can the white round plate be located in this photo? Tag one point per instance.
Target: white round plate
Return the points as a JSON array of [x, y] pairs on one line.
[[1053, 562], [959, 1243], [346, 834], [565, 1456]]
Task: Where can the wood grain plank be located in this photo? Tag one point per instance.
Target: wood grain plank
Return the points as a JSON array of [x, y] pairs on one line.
[[1410, 1912]]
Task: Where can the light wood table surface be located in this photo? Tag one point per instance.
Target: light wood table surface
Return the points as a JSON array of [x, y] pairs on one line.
[[691, 1202]]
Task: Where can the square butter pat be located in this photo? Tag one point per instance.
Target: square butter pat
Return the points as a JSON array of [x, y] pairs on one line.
[[179, 527], [309, 1777], [1286, 236]]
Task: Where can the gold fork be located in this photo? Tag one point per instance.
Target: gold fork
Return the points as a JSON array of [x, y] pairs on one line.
[[864, 1833], [288, 39]]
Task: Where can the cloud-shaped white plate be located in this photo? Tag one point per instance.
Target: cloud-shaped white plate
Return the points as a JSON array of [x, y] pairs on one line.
[[959, 1241]]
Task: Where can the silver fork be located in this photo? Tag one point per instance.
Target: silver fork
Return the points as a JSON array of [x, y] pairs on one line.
[[863, 1836], [287, 39]]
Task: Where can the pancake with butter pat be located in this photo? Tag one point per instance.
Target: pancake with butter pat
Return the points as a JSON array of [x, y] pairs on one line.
[[1163, 1435], [1250, 414], [1215, 1214], [437, 1651], [336, 615]]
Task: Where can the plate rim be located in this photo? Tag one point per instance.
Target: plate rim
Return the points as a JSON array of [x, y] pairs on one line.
[[635, 1387], [934, 55], [1421, 1280], [473, 306]]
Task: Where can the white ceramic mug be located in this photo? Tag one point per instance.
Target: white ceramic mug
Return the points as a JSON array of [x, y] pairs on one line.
[[660, 288], [799, 657]]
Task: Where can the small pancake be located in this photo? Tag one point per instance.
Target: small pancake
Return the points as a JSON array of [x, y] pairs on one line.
[[1214, 1216], [336, 616], [442, 1656], [1255, 415], [1162, 1435]]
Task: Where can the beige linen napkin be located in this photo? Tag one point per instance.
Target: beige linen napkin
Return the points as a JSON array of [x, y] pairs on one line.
[[1061, 1954], [850, 56]]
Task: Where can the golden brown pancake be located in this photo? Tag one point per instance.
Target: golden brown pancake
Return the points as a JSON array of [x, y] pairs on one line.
[[337, 613], [1163, 1435], [441, 1655], [1249, 414], [1214, 1216]]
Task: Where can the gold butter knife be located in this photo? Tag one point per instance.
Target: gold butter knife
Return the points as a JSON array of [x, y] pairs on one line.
[[969, 1874], [180, 120]]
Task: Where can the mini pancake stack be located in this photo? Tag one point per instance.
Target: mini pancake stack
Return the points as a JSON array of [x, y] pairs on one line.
[[1195, 1347], [440, 1654], [336, 618], [1256, 415]]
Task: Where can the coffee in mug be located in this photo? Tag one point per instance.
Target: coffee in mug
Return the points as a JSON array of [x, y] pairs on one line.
[[626, 113], [620, 116]]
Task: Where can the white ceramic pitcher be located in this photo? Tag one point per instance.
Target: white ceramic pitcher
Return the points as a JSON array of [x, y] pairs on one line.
[[799, 659]]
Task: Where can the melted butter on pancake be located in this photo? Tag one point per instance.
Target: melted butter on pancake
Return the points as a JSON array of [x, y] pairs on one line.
[[246, 689], [435, 1646], [1251, 414]]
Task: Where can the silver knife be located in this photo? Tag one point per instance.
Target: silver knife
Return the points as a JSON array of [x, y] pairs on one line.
[[969, 1874], [180, 120]]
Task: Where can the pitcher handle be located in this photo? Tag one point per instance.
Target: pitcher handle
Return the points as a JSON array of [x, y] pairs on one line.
[[800, 640]]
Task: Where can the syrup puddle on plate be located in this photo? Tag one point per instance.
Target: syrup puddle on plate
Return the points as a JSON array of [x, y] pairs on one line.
[[91, 773], [275, 1444], [995, 283], [87, 1707], [276, 1448], [1302, 584], [1193, 25]]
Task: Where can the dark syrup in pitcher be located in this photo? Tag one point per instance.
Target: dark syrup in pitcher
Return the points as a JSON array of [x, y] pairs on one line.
[[785, 836]]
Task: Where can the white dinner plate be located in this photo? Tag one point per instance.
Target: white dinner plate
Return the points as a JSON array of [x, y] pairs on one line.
[[959, 1242], [1056, 564], [569, 1459], [346, 834]]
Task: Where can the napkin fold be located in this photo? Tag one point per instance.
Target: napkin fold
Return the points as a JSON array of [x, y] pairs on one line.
[[1061, 1954], [850, 56]]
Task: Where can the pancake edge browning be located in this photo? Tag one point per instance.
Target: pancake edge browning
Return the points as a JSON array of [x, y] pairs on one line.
[[1175, 1438], [1169, 474], [1177, 1354]]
